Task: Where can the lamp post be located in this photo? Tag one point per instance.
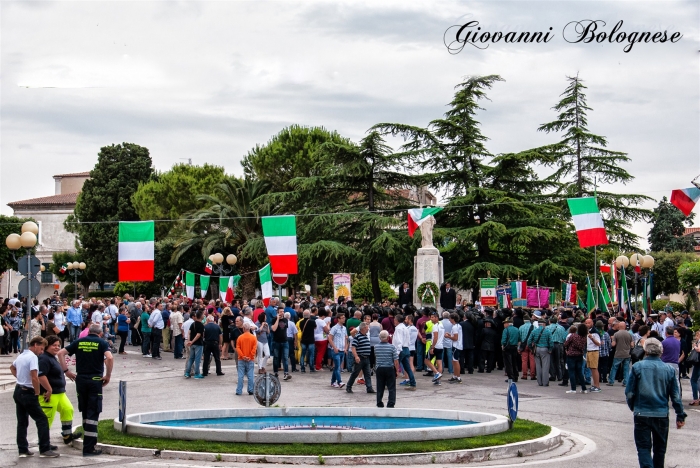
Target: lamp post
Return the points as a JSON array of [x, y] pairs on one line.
[[217, 261], [644, 261], [76, 269], [28, 266]]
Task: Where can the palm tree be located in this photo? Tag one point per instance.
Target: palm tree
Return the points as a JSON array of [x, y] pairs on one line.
[[231, 224]]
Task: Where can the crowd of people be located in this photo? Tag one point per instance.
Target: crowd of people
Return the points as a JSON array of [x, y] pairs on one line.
[[388, 343]]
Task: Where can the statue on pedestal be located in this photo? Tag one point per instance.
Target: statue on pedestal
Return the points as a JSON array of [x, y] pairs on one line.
[[426, 231]]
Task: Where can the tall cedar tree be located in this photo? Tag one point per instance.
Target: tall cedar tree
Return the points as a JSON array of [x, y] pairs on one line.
[[228, 223], [667, 232], [106, 200], [496, 218], [584, 162], [353, 182]]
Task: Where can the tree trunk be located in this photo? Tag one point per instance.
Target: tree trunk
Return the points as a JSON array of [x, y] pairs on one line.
[[314, 285], [248, 281], [374, 278]]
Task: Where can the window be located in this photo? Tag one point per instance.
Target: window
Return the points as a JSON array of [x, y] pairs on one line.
[[46, 276]]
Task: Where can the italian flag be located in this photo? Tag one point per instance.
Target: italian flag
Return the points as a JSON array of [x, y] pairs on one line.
[[280, 234], [518, 289], [227, 287], [416, 217], [204, 285], [189, 285], [209, 267], [136, 250], [588, 221], [63, 269], [568, 292], [266, 284]]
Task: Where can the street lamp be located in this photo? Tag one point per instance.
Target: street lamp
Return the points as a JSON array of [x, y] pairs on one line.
[[217, 261], [644, 261], [28, 266], [76, 269]]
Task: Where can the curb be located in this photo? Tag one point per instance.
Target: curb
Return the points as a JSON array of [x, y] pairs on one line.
[[518, 449]]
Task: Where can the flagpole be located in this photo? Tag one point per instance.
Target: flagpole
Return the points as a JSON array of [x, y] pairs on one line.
[[595, 248]]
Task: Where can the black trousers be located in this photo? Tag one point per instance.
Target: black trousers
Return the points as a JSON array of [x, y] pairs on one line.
[[122, 340], [211, 348], [651, 436], [510, 359], [135, 336], [468, 360], [362, 366], [89, 390], [386, 378], [27, 405], [156, 340], [556, 362], [488, 359]]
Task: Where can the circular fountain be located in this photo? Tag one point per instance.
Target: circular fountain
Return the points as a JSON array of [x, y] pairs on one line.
[[311, 424]]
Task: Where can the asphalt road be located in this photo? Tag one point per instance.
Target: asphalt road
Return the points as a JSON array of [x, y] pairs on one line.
[[603, 418]]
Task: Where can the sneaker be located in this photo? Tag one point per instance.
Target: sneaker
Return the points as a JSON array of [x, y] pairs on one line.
[[452, 379], [584, 391], [287, 377], [220, 373], [436, 382], [437, 376], [250, 393], [405, 382], [407, 387], [94, 453], [157, 357], [303, 371], [198, 376], [595, 390], [187, 376], [610, 384], [428, 374], [26, 454], [457, 380], [360, 381], [341, 385], [571, 391], [146, 355], [49, 454], [334, 385]]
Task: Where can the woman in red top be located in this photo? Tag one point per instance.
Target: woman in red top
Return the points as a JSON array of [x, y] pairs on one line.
[[575, 345]]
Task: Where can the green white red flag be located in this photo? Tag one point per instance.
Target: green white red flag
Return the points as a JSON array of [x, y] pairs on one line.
[[227, 287], [588, 221], [204, 285], [189, 285], [136, 250], [568, 292], [280, 234], [417, 216], [209, 267], [266, 284], [64, 269]]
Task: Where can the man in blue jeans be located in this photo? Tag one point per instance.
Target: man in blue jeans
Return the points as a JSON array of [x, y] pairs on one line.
[[280, 346], [651, 384], [338, 342], [622, 341], [308, 345], [74, 317], [400, 342], [196, 345]]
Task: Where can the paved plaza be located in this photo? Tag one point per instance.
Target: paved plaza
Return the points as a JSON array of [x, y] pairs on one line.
[[603, 420]]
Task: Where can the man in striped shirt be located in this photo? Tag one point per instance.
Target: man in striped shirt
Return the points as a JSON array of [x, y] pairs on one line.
[[387, 369], [360, 352], [556, 362]]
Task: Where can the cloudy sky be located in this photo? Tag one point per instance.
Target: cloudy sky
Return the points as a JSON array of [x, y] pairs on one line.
[[210, 80]]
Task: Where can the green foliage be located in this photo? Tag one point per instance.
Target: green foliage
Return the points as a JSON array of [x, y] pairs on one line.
[[666, 234], [498, 217], [105, 200], [362, 289], [689, 279], [173, 194], [10, 225], [583, 163], [228, 223], [666, 270], [69, 290], [661, 304], [123, 287], [60, 258], [290, 154], [100, 294], [522, 430]]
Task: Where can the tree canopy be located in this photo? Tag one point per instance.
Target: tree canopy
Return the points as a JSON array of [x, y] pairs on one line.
[[669, 224], [106, 200], [10, 225]]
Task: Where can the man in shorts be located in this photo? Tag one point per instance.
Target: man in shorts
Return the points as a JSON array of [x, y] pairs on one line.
[[456, 336], [593, 354], [435, 349]]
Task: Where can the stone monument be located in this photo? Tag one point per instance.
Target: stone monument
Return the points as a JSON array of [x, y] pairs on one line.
[[427, 264]]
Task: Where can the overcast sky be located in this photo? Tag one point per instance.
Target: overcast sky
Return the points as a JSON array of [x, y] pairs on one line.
[[210, 80]]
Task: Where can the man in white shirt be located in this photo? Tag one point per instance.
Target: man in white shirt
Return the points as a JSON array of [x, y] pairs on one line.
[[455, 336], [26, 370], [113, 311], [666, 320], [97, 317], [436, 347], [447, 342], [155, 321], [401, 340]]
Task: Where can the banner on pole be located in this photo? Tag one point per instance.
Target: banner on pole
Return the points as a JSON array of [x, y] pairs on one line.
[[489, 296], [342, 285]]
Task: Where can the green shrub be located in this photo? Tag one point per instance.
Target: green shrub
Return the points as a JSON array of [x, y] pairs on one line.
[[101, 294], [661, 304], [123, 287], [69, 290]]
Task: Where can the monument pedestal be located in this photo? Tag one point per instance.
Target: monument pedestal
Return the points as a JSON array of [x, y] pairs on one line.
[[427, 266]]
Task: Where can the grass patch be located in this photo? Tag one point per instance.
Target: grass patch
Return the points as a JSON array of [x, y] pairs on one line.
[[522, 430]]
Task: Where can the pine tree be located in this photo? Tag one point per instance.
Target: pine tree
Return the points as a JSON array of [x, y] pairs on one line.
[[667, 232], [497, 218], [584, 163]]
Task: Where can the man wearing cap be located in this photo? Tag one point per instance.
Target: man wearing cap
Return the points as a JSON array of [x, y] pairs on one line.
[[651, 384], [509, 344], [526, 354], [541, 340]]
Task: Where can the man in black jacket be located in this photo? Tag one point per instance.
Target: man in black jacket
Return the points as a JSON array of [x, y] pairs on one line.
[[468, 342], [448, 298], [405, 295]]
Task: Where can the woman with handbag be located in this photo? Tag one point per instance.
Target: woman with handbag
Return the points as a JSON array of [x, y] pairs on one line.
[[694, 359]]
